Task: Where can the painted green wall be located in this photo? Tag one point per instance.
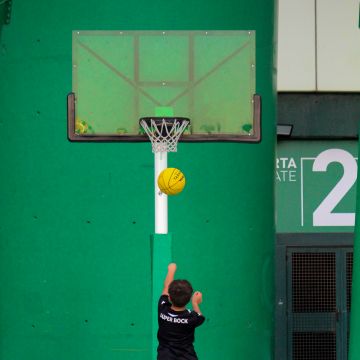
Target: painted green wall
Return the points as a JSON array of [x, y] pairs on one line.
[[76, 219]]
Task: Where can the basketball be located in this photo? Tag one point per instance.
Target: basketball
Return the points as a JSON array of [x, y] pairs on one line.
[[171, 181]]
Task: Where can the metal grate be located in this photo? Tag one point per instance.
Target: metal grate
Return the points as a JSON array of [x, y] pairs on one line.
[[349, 269], [319, 281], [314, 346], [313, 282], [313, 313]]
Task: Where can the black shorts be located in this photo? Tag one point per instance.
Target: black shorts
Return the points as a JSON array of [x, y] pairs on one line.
[[165, 353]]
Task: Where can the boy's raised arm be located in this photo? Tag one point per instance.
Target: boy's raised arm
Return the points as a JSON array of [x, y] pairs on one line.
[[169, 278], [196, 301]]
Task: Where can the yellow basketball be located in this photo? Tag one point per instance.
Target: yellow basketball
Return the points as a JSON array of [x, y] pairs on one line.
[[171, 181]]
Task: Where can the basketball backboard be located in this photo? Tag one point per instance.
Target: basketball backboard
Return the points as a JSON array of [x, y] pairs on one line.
[[121, 76]]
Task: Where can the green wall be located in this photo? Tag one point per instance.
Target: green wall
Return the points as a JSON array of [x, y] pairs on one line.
[[76, 219]]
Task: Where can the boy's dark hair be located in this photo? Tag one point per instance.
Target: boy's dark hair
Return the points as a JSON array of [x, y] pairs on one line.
[[180, 292]]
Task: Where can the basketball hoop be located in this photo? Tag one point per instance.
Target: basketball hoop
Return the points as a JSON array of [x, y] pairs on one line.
[[164, 132]]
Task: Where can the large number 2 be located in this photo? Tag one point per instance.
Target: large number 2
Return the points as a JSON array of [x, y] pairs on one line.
[[323, 215]]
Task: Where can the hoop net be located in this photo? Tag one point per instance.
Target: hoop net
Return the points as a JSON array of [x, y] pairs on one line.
[[164, 133]]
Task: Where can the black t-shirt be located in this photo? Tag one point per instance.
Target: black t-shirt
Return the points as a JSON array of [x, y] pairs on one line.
[[177, 328]]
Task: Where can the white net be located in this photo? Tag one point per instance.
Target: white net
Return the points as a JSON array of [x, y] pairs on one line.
[[163, 134]]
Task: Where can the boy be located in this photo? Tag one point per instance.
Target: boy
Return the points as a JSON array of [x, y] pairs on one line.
[[176, 323]]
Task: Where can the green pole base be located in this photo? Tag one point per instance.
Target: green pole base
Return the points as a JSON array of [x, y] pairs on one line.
[[161, 256]]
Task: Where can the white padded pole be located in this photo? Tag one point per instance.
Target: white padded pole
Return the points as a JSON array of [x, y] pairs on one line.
[[161, 201]]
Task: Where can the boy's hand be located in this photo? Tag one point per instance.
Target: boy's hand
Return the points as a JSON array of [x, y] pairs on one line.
[[172, 267], [169, 278], [197, 298]]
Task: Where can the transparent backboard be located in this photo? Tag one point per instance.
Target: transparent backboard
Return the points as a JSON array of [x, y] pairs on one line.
[[122, 76]]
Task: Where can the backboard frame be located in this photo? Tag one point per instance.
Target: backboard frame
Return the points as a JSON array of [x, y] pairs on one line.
[[255, 137]]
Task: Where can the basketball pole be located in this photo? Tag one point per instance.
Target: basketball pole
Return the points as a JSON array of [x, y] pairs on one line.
[[161, 199], [161, 244]]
